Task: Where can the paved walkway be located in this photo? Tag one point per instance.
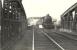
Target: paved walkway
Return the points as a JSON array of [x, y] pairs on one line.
[[25, 43]]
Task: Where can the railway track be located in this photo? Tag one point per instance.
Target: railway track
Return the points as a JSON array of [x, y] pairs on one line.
[[62, 42], [50, 38], [42, 41]]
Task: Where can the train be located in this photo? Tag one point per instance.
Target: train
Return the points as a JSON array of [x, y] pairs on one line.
[[47, 22]]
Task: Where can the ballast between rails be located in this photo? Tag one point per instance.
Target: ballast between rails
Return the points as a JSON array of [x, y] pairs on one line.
[[50, 38]]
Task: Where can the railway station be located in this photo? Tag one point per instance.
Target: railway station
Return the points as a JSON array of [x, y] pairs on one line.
[[18, 32]]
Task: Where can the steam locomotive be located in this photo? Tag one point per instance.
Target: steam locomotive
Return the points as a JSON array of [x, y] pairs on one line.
[[47, 22]]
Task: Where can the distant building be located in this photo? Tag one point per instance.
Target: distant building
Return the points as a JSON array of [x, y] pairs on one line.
[[33, 20]]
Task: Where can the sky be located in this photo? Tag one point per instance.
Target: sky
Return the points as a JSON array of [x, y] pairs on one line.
[[39, 8]]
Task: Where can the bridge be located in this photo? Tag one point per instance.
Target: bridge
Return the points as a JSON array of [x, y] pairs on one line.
[[69, 18], [13, 23]]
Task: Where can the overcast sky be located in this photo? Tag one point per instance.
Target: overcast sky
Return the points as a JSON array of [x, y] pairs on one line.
[[39, 8]]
